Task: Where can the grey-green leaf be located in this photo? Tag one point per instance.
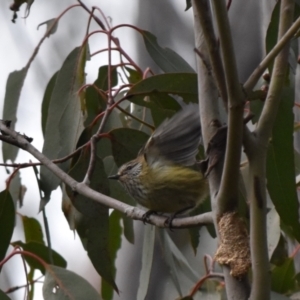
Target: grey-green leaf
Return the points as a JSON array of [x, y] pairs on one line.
[[61, 284], [168, 60], [7, 218], [13, 89], [147, 261], [65, 120]]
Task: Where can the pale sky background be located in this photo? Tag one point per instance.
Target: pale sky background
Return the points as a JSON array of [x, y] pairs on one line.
[[17, 44]]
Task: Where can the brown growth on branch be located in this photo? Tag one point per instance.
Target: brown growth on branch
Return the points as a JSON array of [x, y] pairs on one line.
[[234, 249]]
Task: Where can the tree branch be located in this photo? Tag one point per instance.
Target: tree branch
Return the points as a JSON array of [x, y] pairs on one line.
[[210, 119], [213, 48], [282, 42], [257, 163], [229, 189], [23, 142]]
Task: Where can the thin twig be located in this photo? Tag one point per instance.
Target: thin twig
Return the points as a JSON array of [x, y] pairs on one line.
[[254, 77], [81, 188]]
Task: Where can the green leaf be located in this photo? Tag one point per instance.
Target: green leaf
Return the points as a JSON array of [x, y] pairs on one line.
[[72, 215], [181, 84], [280, 165], [42, 252], [93, 226], [188, 5], [61, 284], [96, 101], [7, 219], [169, 259], [3, 296], [64, 122], [180, 260], [168, 60], [134, 75], [282, 277], [272, 32], [147, 261], [103, 77], [117, 192], [13, 89], [126, 144], [32, 230], [46, 100], [51, 24], [115, 240], [276, 296]]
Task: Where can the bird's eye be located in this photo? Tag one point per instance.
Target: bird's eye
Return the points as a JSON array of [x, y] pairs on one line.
[[128, 168]]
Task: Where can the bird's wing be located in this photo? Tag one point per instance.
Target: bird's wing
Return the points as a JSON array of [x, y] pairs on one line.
[[176, 139]]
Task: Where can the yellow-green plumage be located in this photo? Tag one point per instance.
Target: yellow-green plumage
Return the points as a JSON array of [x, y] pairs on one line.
[[171, 188], [162, 177]]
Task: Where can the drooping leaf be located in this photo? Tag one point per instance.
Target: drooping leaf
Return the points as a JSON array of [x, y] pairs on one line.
[[13, 89], [188, 5], [115, 239], [46, 100], [181, 84], [168, 60], [83, 57], [147, 261], [283, 277], [272, 36], [280, 165], [3, 296], [273, 230], [169, 259], [126, 144], [7, 219], [102, 81], [17, 190], [61, 284], [64, 122], [181, 263], [93, 225], [272, 32], [32, 230], [42, 252], [51, 26], [276, 296]]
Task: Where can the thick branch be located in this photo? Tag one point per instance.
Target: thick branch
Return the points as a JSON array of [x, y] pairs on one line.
[[257, 164], [202, 7], [209, 111], [22, 142], [229, 189]]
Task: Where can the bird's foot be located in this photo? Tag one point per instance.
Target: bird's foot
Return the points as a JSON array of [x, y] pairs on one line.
[[147, 214]]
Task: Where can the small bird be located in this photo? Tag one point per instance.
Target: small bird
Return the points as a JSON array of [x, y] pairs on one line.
[[164, 177]]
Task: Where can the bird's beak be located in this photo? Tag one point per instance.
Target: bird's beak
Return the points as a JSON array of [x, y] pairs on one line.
[[117, 176]]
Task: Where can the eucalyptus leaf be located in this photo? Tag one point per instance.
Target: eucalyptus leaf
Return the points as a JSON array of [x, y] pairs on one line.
[[65, 120], [168, 60], [7, 217], [13, 90], [61, 284]]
